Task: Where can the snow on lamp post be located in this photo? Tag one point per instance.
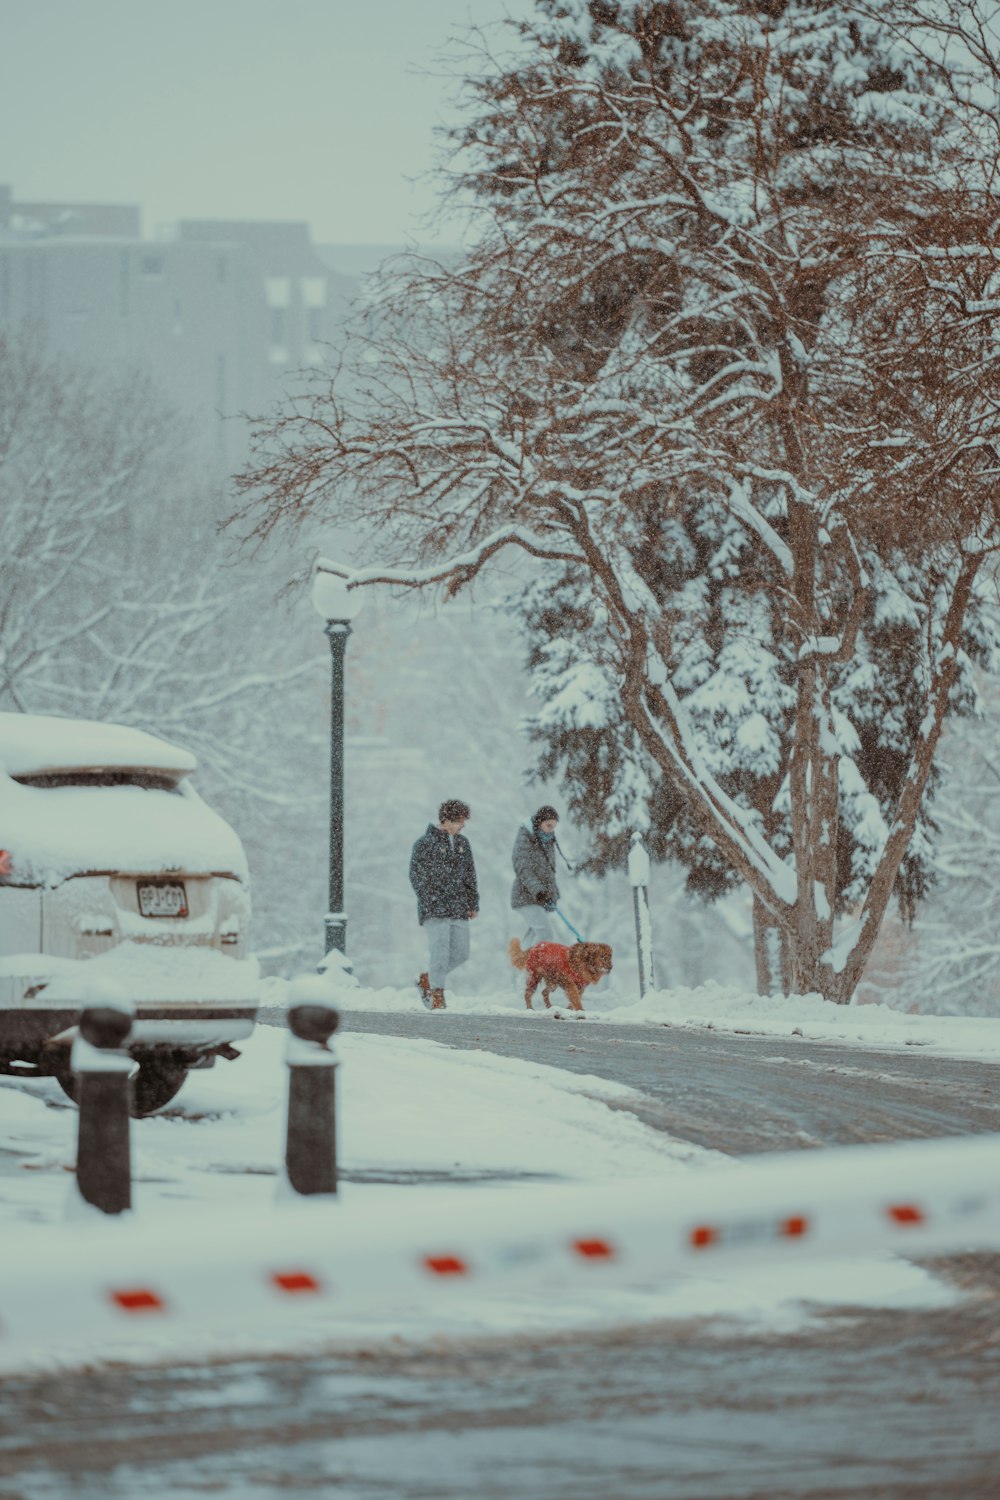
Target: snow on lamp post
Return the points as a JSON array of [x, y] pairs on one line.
[[638, 874], [337, 606]]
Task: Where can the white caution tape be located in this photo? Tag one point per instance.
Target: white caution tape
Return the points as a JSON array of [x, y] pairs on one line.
[[102, 1279]]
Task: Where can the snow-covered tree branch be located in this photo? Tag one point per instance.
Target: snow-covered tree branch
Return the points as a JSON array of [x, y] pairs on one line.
[[724, 362], [96, 618]]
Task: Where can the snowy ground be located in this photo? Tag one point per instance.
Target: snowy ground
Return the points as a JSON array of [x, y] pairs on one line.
[[710, 1006], [416, 1113]]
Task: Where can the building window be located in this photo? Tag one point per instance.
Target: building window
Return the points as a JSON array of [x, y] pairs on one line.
[[37, 285], [278, 291], [314, 291], [314, 320]]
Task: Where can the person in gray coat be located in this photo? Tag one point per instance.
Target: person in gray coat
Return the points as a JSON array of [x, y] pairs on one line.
[[535, 892]]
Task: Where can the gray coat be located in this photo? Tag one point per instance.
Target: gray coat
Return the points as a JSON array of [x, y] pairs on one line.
[[534, 871]]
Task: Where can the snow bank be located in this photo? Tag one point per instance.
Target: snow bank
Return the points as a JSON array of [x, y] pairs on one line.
[[715, 1007], [423, 1130], [409, 1111], [708, 1007], [318, 1262]]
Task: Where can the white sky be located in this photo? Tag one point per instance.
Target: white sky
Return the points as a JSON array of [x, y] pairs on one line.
[[280, 109]]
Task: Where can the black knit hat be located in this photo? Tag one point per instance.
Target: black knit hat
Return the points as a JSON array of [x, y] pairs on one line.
[[542, 816]]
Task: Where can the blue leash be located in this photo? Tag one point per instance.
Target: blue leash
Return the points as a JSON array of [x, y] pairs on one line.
[[569, 925]]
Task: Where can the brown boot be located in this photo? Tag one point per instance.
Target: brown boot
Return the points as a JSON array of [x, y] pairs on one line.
[[437, 1000], [424, 986]]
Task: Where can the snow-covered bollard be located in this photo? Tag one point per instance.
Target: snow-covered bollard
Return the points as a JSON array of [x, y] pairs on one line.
[[638, 874], [103, 1068], [311, 1138]]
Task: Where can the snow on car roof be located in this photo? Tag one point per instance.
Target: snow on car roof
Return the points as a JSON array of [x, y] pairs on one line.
[[33, 744], [53, 832]]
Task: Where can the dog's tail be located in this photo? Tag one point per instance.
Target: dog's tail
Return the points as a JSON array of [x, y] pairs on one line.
[[518, 957]]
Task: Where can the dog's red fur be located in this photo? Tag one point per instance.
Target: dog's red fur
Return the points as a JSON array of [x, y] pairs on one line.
[[555, 966]]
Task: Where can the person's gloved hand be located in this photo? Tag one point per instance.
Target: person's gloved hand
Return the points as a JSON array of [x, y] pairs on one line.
[[548, 905], [540, 898]]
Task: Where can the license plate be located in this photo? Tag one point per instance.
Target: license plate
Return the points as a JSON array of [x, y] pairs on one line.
[[162, 898]]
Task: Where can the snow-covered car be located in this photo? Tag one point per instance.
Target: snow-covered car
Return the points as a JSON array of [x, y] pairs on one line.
[[113, 870]]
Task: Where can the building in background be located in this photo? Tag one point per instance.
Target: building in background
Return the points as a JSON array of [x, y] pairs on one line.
[[223, 313]]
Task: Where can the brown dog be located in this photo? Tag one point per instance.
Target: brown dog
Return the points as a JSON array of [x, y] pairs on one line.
[[557, 967]]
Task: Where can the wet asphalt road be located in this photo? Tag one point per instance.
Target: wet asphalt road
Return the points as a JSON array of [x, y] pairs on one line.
[[737, 1094], [868, 1404], [872, 1405]]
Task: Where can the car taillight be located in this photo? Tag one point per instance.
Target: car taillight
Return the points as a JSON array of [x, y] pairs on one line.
[[6, 868]]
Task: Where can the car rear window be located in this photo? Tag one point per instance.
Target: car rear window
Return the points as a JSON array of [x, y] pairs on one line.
[[152, 781]]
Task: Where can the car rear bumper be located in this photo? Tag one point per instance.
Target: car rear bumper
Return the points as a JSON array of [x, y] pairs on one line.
[[201, 1027], [24, 1032], [180, 997]]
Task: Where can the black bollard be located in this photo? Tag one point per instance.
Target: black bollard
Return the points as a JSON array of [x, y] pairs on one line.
[[311, 1140], [103, 1155]]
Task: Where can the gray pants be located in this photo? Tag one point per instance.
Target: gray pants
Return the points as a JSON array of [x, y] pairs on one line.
[[447, 947], [537, 926]]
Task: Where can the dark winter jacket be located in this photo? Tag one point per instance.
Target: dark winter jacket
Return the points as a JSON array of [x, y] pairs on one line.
[[534, 870], [444, 879]]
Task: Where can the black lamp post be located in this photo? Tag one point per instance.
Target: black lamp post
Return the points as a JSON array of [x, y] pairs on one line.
[[337, 606]]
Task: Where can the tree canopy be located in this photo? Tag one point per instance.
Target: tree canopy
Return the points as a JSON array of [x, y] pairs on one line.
[[723, 360]]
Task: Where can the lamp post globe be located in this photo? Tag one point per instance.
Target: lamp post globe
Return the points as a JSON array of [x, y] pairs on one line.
[[337, 606]]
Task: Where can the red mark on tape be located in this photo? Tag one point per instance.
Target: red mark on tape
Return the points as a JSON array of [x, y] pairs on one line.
[[905, 1213], [138, 1300], [704, 1235], [445, 1265], [296, 1281], [594, 1249]]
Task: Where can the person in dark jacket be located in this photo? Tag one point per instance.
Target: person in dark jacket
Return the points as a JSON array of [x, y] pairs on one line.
[[535, 892], [443, 874]]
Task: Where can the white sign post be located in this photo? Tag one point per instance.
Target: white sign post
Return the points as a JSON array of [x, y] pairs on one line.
[[638, 874]]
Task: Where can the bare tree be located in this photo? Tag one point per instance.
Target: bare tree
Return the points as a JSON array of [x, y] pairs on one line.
[[115, 599], [117, 602], [75, 458]]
